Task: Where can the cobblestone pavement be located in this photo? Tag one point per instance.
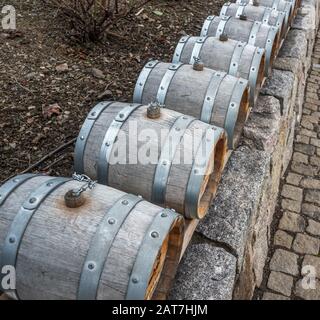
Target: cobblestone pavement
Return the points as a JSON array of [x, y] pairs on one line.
[[293, 271]]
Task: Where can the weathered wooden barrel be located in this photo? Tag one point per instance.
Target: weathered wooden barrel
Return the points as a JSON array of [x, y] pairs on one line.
[[266, 15], [212, 96], [180, 169], [253, 32], [237, 58], [113, 246], [280, 5]]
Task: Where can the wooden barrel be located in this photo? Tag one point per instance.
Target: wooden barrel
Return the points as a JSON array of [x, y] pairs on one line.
[[253, 32], [266, 15], [113, 246], [212, 96], [280, 5], [180, 169], [237, 58]]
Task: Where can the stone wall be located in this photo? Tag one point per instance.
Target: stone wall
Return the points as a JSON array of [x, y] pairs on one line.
[[227, 254]]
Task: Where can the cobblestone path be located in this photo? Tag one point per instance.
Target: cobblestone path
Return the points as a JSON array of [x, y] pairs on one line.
[[293, 270]]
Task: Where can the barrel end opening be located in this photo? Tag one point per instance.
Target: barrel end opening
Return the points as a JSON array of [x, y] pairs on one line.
[[213, 176], [243, 114], [283, 31], [274, 51], [260, 80], [291, 14], [157, 269], [173, 253]]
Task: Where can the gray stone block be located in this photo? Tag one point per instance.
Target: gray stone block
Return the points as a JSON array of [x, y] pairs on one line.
[[293, 65], [237, 199], [295, 45], [262, 128], [306, 18], [280, 85], [205, 273], [288, 149]]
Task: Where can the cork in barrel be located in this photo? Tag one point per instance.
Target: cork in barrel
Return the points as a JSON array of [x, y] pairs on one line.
[[212, 96], [236, 58], [253, 32], [169, 158], [266, 15], [113, 246]]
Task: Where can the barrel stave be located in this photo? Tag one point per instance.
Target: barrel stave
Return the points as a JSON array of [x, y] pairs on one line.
[[57, 239], [227, 53], [142, 175], [253, 32], [202, 94], [282, 5], [265, 15]]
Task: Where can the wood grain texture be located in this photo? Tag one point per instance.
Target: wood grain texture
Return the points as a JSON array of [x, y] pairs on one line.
[[282, 6], [241, 29], [191, 225], [188, 89], [57, 239], [218, 55], [256, 13], [138, 178]]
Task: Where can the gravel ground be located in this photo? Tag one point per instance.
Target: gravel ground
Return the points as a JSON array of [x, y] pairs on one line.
[[48, 83]]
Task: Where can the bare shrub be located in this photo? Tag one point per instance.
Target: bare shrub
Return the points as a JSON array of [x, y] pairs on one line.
[[89, 19]]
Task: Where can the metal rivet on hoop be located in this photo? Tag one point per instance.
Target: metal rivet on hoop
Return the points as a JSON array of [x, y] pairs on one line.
[[111, 221], [91, 265], [32, 200], [135, 280], [154, 234], [12, 240]]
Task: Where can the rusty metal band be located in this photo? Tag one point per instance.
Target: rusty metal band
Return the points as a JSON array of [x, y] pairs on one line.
[[179, 49], [21, 221], [168, 152], [109, 141], [166, 81], [85, 133], [197, 49], [197, 174], [236, 58], [142, 79], [101, 244], [211, 94], [148, 252], [206, 26]]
